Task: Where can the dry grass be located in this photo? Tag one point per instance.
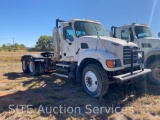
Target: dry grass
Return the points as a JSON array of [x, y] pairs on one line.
[[140, 101], [10, 66], [13, 56], [10, 86], [147, 107]]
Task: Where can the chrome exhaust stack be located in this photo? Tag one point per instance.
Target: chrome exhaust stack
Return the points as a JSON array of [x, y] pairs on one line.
[[56, 48]]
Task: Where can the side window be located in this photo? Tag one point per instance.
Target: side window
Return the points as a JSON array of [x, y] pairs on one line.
[[123, 35], [68, 33], [127, 34]]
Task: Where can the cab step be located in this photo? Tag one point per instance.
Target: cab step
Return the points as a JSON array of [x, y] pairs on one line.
[[62, 65], [61, 75]]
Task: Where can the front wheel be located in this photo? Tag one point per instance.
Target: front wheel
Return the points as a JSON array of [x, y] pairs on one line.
[[95, 80], [154, 76]]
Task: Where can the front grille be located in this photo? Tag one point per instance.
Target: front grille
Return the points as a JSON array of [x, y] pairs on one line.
[[127, 55]]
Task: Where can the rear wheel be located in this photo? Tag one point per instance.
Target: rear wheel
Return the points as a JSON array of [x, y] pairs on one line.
[[95, 80], [154, 76], [34, 67], [25, 66]]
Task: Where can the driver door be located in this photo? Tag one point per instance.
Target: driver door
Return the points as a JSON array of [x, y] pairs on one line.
[[68, 43]]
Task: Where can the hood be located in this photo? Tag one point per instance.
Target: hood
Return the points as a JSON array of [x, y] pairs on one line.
[[118, 41], [150, 40], [108, 44], [106, 40], [155, 42]]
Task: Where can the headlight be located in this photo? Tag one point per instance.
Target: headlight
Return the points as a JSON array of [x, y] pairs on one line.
[[113, 63]]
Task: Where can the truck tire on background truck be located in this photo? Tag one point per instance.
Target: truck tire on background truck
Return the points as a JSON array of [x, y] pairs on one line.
[[154, 76], [95, 80]]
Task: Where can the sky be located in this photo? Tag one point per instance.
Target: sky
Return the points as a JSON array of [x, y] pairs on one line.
[[26, 20]]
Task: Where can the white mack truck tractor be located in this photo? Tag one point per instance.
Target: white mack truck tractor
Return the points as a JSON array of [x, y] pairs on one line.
[[86, 54], [141, 35]]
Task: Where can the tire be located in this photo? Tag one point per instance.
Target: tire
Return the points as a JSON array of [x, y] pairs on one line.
[[25, 66], [95, 80], [34, 67], [154, 76]]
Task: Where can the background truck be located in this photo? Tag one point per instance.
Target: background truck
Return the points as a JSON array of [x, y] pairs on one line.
[[141, 35], [86, 54]]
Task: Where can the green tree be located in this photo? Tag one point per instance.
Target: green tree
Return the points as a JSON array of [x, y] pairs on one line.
[[45, 43], [14, 47], [17, 46], [4, 47], [22, 46], [9, 47]]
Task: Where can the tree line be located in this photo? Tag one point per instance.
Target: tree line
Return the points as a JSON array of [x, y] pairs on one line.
[[44, 43], [12, 47]]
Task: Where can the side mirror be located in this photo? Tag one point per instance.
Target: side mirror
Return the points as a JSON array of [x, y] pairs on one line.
[[159, 34], [135, 38]]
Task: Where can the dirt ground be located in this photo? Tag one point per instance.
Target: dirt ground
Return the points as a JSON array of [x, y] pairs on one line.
[[50, 97]]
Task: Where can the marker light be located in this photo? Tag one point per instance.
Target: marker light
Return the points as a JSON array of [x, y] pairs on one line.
[[144, 24], [110, 63], [113, 63]]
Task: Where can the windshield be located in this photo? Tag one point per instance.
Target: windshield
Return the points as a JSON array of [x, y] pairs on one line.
[[83, 28], [142, 31]]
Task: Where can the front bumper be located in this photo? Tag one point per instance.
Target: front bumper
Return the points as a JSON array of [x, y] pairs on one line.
[[130, 76]]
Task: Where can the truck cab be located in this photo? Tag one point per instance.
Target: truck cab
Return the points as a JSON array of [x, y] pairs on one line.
[[85, 53], [141, 35]]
